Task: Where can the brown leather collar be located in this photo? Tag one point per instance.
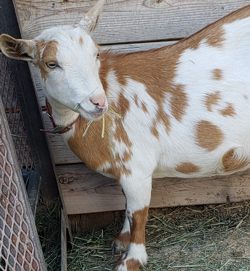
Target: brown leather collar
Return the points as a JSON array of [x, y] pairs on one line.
[[56, 128]]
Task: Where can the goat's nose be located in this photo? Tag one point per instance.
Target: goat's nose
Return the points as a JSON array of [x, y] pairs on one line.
[[99, 101]]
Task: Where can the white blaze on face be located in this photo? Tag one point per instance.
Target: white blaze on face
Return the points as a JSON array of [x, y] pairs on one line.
[[75, 81]]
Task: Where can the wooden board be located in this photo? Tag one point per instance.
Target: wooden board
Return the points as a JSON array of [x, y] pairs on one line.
[[63, 243], [126, 20], [85, 191]]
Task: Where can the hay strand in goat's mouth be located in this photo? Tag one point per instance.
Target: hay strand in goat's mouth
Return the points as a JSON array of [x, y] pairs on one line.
[[87, 128], [103, 126], [111, 112]]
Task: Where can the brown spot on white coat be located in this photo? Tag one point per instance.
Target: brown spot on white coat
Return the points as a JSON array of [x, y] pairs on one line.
[[96, 149], [232, 162], [136, 100], [211, 100], [213, 36], [228, 111], [81, 40], [133, 265], [144, 108], [123, 240], [216, 38], [217, 74], [139, 220], [187, 168], [178, 102], [46, 52], [122, 108], [208, 135], [154, 130]]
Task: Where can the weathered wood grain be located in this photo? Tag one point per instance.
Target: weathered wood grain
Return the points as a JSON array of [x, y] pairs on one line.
[[63, 243], [85, 191], [126, 21], [61, 153]]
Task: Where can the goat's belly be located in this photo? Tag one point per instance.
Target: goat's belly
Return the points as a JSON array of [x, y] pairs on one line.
[[187, 173], [195, 163]]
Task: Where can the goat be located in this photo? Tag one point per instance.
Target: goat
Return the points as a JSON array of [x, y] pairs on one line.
[[182, 110]]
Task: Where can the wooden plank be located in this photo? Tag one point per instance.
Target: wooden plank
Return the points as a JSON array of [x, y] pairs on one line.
[[126, 21], [63, 243], [61, 153], [85, 191], [135, 47]]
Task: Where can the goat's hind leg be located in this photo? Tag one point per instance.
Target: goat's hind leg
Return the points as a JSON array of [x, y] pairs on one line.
[[138, 194]]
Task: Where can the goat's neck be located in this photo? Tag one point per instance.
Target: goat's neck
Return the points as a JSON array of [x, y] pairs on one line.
[[62, 115]]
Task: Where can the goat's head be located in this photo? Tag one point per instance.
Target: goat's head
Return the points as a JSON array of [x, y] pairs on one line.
[[68, 60]]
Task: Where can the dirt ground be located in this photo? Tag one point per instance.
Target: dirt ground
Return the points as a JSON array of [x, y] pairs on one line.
[[202, 238]]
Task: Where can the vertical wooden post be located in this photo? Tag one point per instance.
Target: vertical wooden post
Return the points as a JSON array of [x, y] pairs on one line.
[[63, 243]]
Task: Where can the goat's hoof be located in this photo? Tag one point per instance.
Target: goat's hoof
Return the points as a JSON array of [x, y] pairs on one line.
[[128, 264], [121, 243]]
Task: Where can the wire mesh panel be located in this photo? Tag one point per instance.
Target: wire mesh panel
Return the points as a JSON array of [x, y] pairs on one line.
[[23, 114], [19, 243], [14, 112], [25, 161], [15, 118]]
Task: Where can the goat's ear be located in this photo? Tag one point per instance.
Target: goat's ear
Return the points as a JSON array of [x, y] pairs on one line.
[[90, 19], [17, 48]]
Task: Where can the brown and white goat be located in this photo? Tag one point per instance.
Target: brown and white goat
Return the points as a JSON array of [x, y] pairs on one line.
[[185, 108]]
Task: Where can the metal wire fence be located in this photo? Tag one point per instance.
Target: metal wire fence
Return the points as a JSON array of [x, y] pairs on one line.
[[15, 118], [19, 244]]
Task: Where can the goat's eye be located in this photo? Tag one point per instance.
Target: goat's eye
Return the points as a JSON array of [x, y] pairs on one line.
[[52, 65], [98, 55]]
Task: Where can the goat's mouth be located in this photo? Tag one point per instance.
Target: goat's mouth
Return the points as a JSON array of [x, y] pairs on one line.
[[92, 115]]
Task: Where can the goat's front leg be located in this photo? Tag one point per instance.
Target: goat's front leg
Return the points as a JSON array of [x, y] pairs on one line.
[[138, 194], [122, 241]]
